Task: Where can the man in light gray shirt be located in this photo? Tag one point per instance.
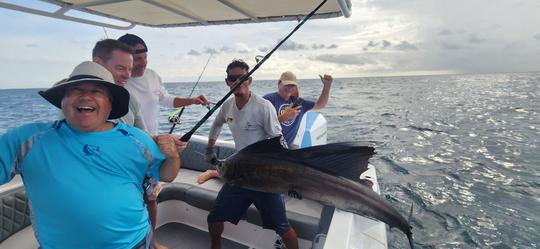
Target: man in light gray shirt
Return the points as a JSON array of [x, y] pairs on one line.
[[251, 119]]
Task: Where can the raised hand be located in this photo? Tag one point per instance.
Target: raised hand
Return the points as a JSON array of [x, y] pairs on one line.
[[326, 79]]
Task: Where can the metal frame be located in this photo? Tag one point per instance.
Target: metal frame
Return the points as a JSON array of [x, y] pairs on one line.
[[60, 14], [345, 6]]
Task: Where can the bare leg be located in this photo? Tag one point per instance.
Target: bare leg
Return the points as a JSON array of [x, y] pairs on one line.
[[152, 211], [289, 239], [215, 229], [207, 175]]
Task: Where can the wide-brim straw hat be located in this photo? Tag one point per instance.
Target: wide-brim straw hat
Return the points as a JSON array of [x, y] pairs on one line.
[[91, 72]]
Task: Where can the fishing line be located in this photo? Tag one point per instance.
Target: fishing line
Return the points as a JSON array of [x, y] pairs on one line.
[[174, 117], [243, 78]]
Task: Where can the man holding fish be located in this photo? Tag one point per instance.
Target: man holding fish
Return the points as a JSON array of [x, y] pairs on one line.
[[250, 119]]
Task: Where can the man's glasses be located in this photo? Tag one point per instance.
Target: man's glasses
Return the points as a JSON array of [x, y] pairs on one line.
[[233, 78]]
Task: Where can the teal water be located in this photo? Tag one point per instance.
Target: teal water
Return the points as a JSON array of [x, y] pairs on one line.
[[464, 149]]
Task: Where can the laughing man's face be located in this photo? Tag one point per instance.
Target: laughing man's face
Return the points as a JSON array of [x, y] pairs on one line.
[[87, 106]]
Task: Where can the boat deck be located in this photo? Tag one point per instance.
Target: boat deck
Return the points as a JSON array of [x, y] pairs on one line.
[[180, 236]]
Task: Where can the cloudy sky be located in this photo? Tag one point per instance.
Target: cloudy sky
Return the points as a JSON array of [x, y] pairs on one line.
[[381, 38]]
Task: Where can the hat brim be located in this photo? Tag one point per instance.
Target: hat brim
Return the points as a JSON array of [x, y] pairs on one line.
[[120, 96], [289, 82]]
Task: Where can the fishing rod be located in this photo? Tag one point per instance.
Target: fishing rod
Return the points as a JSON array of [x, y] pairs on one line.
[[174, 117], [243, 78]]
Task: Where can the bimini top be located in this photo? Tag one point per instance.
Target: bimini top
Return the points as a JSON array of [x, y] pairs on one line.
[[179, 13]]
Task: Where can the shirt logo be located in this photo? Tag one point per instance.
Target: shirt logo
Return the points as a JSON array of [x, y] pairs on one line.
[[91, 150], [250, 126], [282, 109]]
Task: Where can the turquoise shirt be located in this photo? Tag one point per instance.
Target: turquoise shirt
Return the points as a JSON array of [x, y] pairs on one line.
[[85, 189]]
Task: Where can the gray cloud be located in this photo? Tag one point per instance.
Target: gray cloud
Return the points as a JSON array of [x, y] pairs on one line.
[[405, 45], [32, 45], [322, 46], [385, 44], [451, 46], [496, 26], [193, 52], [474, 38], [293, 46], [317, 46], [348, 59], [511, 45], [445, 32], [243, 51], [371, 44], [210, 51], [537, 36], [374, 44], [226, 49]]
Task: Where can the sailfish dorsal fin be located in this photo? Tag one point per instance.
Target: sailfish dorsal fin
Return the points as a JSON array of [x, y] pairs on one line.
[[347, 160], [267, 146]]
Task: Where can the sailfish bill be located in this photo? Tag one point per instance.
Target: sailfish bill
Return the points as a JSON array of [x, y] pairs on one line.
[[328, 174]]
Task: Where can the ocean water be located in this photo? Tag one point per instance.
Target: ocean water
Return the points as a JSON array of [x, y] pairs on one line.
[[462, 149]]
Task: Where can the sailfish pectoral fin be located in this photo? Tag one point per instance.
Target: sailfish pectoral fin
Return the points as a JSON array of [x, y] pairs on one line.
[[294, 194]]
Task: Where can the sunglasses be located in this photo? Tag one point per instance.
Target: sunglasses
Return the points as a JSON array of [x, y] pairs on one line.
[[233, 78]]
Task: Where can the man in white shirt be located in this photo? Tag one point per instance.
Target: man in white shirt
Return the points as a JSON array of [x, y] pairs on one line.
[[147, 87]]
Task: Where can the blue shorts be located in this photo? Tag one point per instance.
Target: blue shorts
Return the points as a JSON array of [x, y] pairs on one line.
[[232, 203]]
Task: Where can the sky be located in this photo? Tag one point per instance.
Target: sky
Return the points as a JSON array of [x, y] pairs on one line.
[[381, 38]]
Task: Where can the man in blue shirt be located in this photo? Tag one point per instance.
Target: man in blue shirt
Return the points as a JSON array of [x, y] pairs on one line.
[[83, 174], [290, 108]]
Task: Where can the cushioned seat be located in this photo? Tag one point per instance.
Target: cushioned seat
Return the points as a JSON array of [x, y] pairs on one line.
[[201, 198], [15, 217], [305, 226], [175, 191]]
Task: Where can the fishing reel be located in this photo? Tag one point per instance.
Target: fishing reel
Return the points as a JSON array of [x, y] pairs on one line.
[[174, 117]]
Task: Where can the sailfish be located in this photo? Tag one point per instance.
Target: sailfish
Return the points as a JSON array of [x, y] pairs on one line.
[[328, 174]]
